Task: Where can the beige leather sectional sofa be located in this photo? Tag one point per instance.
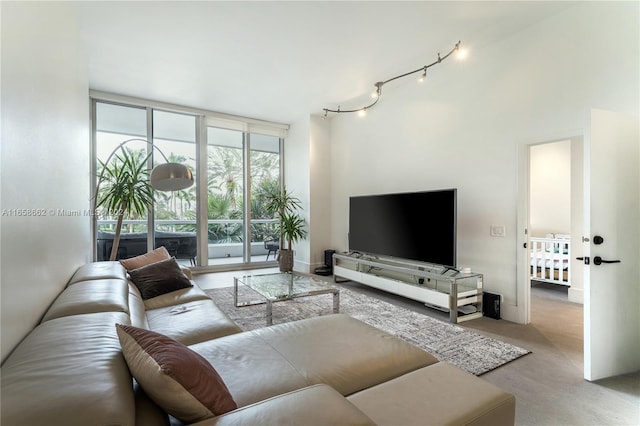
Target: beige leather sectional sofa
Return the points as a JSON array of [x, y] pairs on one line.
[[70, 369]]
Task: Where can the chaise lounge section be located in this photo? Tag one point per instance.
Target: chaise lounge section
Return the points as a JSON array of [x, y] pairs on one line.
[[70, 370]]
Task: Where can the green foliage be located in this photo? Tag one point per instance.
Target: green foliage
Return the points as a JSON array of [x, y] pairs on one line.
[[225, 173], [260, 196], [221, 207], [280, 202], [292, 228], [125, 189], [284, 206]]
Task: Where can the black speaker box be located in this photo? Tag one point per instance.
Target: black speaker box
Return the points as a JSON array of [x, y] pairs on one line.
[[328, 258], [327, 269], [491, 305]]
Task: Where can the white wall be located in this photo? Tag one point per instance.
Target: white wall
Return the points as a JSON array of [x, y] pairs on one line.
[[550, 189], [45, 161], [576, 291], [320, 169], [463, 126], [297, 181], [308, 177]]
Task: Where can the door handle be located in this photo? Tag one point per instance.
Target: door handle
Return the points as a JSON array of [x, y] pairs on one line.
[[584, 259], [599, 261]]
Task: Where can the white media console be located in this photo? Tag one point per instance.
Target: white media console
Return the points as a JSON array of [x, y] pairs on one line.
[[440, 287]]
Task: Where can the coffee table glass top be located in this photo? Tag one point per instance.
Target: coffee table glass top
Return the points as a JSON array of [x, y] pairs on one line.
[[280, 287], [284, 286]]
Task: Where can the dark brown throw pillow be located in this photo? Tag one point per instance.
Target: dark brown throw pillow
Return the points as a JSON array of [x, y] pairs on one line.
[[178, 379], [159, 278]]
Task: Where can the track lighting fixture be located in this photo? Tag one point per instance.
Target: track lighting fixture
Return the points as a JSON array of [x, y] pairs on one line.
[[377, 93]]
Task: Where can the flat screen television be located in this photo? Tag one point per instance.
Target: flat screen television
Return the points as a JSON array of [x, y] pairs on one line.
[[419, 226]]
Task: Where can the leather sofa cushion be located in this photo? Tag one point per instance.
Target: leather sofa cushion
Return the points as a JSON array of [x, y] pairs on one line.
[[336, 350], [179, 380], [437, 394], [137, 310], [99, 271], [317, 405], [176, 298], [191, 322], [69, 371], [365, 355], [251, 369], [100, 295]]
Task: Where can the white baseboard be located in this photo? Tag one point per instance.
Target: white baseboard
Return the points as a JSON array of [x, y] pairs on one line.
[[512, 313], [576, 295], [300, 266]]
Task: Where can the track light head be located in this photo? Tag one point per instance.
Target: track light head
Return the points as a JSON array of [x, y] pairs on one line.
[[379, 85], [461, 52], [423, 75]]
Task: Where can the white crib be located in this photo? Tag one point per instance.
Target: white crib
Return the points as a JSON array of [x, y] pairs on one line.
[[551, 258]]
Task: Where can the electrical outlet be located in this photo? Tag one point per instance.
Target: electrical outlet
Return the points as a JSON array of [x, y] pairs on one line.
[[498, 231]]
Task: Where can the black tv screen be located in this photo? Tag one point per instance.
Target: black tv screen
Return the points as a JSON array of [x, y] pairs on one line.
[[417, 226]]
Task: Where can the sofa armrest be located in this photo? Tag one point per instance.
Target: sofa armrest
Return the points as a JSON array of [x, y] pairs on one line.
[[315, 405], [441, 393], [69, 371]]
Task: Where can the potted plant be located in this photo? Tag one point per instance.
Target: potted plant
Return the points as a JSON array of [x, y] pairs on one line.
[[126, 189], [291, 226]]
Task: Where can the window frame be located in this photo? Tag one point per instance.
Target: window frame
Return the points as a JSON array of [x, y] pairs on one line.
[[203, 119]]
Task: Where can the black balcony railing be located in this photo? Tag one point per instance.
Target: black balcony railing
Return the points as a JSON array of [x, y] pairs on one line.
[[179, 237]]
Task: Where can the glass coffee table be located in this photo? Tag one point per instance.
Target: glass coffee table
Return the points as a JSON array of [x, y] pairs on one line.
[[283, 286]]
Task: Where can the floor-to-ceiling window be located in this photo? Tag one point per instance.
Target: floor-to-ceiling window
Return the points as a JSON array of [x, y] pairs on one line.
[[220, 220], [265, 163], [240, 166], [120, 135], [175, 224], [225, 200]]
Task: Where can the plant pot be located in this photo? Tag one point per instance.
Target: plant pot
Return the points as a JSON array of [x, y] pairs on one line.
[[286, 260]]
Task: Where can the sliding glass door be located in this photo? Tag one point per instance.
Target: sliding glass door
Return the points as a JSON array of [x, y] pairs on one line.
[[240, 166], [225, 199], [264, 155]]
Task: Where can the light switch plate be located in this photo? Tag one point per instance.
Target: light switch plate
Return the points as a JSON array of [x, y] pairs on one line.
[[498, 231]]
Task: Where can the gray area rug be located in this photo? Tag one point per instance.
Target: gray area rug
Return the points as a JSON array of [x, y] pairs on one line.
[[466, 349]]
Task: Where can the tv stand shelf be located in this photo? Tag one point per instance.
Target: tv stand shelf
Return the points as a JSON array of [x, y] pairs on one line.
[[435, 286]]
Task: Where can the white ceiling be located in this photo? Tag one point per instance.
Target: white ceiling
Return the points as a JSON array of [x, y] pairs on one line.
[[280, 61]]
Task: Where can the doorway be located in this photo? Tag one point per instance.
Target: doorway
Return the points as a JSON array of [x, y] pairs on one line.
[[554, 241], [604, 205]]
